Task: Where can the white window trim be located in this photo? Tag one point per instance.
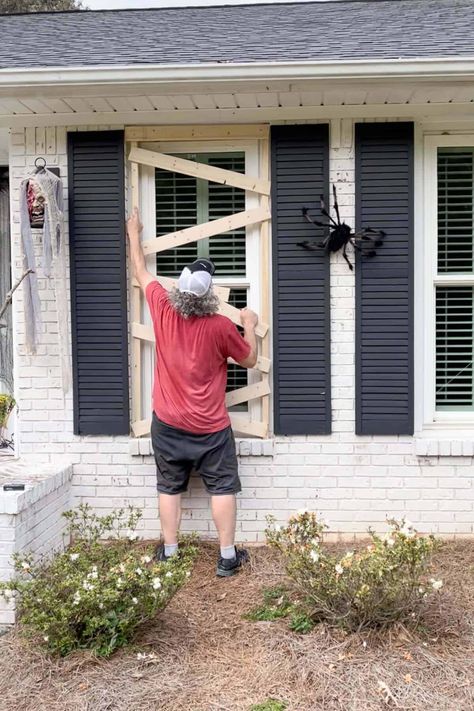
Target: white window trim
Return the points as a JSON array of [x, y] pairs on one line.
[[252, 279], [426, 227]]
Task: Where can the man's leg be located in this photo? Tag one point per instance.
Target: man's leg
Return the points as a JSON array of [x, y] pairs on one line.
[[170, 517], [224, 512]]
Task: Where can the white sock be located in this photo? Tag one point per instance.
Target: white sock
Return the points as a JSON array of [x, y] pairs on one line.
[[170, 549], [228, 552]]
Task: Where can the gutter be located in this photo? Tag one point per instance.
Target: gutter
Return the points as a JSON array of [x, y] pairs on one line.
[[387, 69]]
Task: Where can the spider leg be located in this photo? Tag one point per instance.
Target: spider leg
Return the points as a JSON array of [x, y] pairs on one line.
[[355, 245], [311, 245], [336, 206], [312, 221], [344, 254], [326, 213]]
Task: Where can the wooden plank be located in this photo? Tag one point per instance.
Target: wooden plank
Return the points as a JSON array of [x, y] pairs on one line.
[[246, 427], [199, 170], [207, 229], [249, 392], [141, 427], [192, 133], [222, 292], [263, 364], [136, 379], [144, 333], [264, 272], [234, 314]]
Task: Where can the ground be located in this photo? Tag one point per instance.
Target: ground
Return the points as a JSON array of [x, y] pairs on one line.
[[203, 656]]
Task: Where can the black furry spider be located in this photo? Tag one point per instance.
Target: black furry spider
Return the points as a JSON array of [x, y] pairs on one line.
[[340, 235]]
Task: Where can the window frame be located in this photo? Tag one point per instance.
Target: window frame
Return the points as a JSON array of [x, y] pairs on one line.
[[432, 279], [251, 281]]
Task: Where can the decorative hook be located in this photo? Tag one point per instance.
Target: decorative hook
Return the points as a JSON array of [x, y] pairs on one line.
[[40, 167]]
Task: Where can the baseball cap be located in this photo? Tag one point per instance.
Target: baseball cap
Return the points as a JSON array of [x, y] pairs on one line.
[[196, 278]]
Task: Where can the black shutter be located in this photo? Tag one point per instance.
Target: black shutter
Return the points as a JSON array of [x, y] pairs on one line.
[[384, 284], [301, 343], [98, 282]]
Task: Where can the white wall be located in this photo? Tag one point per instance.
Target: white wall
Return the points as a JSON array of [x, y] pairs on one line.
[[354, 481]]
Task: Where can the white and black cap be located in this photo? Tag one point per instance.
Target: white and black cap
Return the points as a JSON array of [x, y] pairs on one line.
[[197, 277]]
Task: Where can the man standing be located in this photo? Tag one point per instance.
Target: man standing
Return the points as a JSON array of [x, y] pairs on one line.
[[190, 424]]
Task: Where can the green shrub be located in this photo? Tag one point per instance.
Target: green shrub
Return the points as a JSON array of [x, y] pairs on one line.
[[276, 605], [373, 587], [269, 705], [95, 594]]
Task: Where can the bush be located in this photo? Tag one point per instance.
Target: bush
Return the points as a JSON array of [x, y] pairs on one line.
[[373, 587], [95, 594]]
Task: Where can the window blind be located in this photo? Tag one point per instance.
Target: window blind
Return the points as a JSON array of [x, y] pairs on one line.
[[455, 302]]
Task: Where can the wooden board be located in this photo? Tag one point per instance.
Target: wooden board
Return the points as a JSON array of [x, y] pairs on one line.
[[199, 170], [249, 392], [193, 133], [207, 229], [136, 313], [247, 427]]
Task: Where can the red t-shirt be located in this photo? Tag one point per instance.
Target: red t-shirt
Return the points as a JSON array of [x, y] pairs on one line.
[[191, 365]]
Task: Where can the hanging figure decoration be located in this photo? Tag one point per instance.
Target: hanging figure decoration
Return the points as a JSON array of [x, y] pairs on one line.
[[365, 241], [41, 208]]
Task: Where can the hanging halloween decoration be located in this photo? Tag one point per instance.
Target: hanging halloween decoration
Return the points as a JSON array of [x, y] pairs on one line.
[[41, 207], [340, 235]]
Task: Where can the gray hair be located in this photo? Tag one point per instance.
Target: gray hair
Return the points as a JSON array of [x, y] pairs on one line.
[[188, 305]]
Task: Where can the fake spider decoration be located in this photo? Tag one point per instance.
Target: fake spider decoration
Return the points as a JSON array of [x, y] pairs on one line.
[[340, 235]]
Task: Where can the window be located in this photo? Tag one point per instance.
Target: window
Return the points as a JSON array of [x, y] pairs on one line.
[[449, 215], [175, 201]]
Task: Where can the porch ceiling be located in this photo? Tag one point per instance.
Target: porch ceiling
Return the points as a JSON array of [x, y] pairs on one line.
[[270, 101]]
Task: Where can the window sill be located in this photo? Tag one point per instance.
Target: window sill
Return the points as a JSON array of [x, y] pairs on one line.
[[141, 447], [443, 443]]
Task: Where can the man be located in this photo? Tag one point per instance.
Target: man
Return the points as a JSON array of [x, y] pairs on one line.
[[190, 424]]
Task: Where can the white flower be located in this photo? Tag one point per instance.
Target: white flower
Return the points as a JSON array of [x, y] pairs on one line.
[[133, 537], [390, 541], [436, 584], [122, 568], [169, 574], [314, 555], [156, 582], [349, 554], [138, 571], [302, 512], [101, 605], [146, 559], [87, 586], [74, 556], [25, 565], [119, 581], [46, 637], [339, 569], [188, 574], [93, 574], [134, 600], [8, 594], [421, 590], [77, 598]]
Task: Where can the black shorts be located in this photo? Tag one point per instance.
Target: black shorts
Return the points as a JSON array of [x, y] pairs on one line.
[[178, 453]]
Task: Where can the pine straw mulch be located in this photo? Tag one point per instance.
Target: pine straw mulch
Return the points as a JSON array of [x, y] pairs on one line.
[[203, 656]]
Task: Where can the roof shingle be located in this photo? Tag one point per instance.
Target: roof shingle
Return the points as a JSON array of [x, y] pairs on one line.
[[348, 30]]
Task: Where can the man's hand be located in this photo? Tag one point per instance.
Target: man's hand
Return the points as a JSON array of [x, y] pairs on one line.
[[134, 226], [248, 318]]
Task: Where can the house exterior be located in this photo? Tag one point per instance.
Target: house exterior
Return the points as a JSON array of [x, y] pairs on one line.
[[363, 402]]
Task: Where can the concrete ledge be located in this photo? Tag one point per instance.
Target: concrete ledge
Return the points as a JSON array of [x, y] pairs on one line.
[[443, 447], [141, 447]]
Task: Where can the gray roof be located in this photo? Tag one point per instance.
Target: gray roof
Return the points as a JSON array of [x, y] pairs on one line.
[[351, 29]]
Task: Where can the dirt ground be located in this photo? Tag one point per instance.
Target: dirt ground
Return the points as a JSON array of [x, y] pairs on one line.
[[203, 656]]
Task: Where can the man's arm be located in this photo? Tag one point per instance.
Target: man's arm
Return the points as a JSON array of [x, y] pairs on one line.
[[137, 258], [249, 322]]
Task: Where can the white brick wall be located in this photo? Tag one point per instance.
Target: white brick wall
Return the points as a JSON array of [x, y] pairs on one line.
[[31, 521], [353, 481]]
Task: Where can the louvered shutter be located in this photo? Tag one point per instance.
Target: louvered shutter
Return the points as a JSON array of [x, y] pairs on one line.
[[98, 282], [384, 284], [455, 303], [301, 340]]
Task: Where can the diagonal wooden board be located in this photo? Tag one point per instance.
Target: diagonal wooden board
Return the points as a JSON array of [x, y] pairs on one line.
[[199, 170], [207, 229]]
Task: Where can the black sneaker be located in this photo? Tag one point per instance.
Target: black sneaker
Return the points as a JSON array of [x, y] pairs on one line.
[[160, 555], [230, 566]]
